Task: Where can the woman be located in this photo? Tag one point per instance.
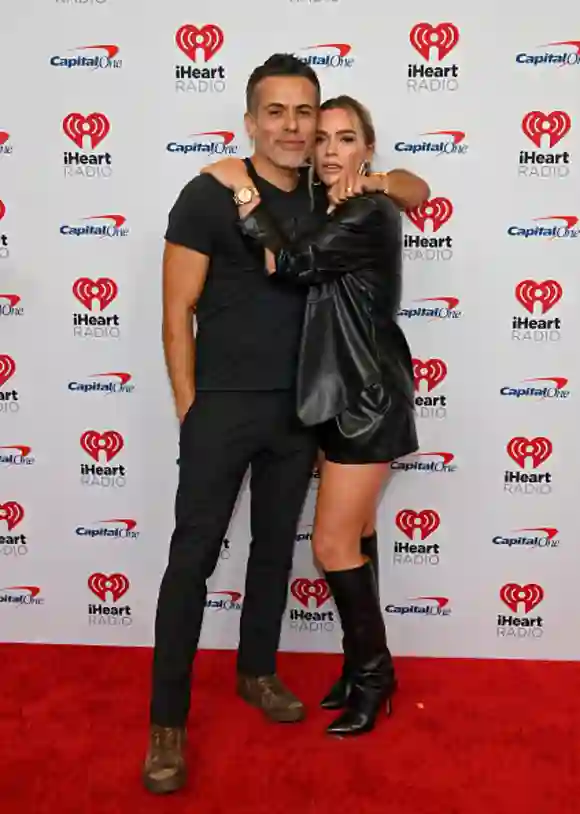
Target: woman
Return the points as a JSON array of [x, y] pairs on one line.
[[355, 383]]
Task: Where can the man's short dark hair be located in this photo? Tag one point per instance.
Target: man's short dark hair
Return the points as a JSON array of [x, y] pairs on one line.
[[279, 65]]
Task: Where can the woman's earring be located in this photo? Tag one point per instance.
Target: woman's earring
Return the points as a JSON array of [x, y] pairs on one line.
[[364, 168]]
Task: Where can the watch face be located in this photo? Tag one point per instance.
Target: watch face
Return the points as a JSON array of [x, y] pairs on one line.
[[244, 195]]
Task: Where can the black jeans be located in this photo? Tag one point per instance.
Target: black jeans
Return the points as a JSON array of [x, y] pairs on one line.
[[223, 434]]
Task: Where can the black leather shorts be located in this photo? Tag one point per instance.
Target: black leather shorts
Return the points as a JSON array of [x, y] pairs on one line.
[[360, 435]]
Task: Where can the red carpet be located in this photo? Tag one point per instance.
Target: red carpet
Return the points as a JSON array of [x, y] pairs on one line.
[[466, 737]]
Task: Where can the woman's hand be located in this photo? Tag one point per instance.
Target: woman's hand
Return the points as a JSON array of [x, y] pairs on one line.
[[230, 172], [349, 184]]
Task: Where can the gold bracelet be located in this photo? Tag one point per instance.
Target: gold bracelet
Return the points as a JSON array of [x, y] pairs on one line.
[[382, 175]]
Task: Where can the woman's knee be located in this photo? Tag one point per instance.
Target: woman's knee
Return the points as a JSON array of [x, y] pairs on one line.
[[336, 551], [324, 548]]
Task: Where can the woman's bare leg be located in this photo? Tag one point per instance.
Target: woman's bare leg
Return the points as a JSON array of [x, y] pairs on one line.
[[345, 510]]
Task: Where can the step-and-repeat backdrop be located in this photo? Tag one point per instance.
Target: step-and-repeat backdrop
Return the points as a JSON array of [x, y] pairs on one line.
[[108, 108]]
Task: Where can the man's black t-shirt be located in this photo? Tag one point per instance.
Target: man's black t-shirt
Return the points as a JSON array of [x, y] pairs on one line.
[[248, 324]]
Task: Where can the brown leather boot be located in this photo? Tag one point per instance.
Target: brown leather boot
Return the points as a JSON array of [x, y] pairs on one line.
[[272, 697], [164, 770]]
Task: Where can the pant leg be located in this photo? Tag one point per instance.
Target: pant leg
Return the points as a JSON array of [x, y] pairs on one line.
[[216, 444], [280, 477]]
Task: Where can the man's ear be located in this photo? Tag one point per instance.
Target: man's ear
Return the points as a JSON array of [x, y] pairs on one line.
[[250, 125]]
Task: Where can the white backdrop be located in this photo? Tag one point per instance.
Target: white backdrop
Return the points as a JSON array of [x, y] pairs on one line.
[[108, 108]]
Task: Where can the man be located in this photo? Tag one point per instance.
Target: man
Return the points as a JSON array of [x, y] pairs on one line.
[[234, 394]]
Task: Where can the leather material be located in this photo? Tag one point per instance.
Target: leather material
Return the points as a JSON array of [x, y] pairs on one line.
[[353, 353], [164, 770], [270, 695], [340, 691], [372, 673]]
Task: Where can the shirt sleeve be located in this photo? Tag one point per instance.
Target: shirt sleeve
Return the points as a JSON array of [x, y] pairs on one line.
[[338, 247], [192, 218]]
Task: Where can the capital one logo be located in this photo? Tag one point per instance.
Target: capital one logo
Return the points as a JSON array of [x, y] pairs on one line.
[[538, 450], [425, 522], [116, 585], [7, 368], [555, 125], [546, 293], [79, 128], [514, 595], [437, 211], [12, 512], [306, 589], [12, 300], [192, 40], [101, 226], [103, 291], [432, 372], [442, 38], [109, 443]]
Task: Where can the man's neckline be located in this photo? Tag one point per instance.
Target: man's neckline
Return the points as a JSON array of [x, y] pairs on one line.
[[299, 184]]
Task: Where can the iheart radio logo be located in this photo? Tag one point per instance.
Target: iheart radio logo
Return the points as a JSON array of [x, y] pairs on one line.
[[208, 39], [77, 127], [538, 449], [12, 512], [436, 210], [7, 368], [116, 585], [426, 522], [555, 125], [528, 595], [306, 589], [104, 290], [2, 209], [442, 37], [4, 136], [547, 293], [110, 443], [433, 371]]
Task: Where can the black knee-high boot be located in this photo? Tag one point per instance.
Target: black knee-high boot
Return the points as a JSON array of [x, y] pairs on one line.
[[373, 680], [338, 695]]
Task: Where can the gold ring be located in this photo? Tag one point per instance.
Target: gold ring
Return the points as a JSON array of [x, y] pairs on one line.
[[348, 189]]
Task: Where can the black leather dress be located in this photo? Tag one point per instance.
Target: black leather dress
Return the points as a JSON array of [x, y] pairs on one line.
[[355, 371]]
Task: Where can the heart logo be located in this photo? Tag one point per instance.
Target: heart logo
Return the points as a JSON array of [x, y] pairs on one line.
[[426, 522], [305, 589], [7, 368], [76, 126], [115, 584], [191, 40], [547, 293], [529, 595], [538, 449], [110, 443], [443, 37], [555, 125]]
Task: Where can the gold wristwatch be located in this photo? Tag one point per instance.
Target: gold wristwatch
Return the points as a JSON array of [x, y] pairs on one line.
[[245, 195]]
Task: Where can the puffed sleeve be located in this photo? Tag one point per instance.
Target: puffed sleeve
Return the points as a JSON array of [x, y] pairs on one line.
[[344, 244]]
